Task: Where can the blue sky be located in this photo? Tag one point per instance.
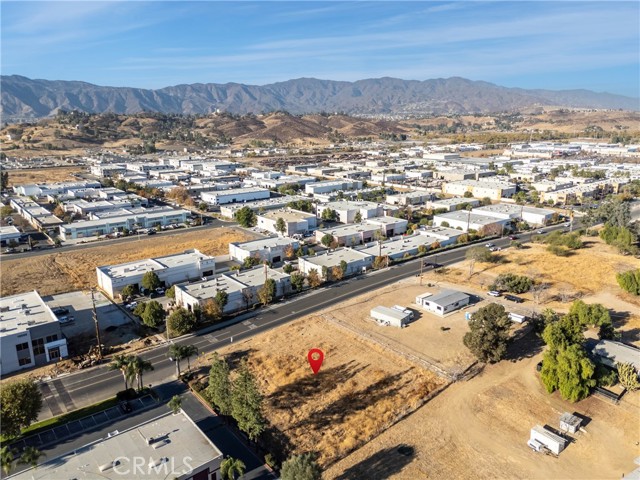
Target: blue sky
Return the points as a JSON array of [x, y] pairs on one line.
[[552, 45]]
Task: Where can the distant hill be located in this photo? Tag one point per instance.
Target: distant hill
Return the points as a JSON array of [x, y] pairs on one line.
[[24, 98]]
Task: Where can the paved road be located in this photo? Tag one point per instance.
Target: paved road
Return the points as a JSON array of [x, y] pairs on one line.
[[90, 386], [46, 250]]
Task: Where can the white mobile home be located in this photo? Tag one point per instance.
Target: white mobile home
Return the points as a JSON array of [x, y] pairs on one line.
[[541, 435], [444, 302], [391, 316]]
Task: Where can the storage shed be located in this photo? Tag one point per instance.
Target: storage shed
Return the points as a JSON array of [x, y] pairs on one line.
[[554, 443], [569, 423], [390, 316], [444, 302]]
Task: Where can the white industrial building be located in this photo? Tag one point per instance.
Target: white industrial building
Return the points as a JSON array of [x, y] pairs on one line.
[[296, 222], [229, 210], [111, 221], [366, 231], [235, 195], [332, 186], [241, 287], [171, 269], [39, 217], [347, 210], [493, 189], [444, 302], [445, 236], [395, 316], [30, 333], [270, 249], [468, 220], [410, 198], [167, 446], [9, 233], [506, 211], [357, 262], [453, 204]]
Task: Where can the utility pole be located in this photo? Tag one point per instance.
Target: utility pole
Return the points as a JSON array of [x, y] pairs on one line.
[[95, 320]]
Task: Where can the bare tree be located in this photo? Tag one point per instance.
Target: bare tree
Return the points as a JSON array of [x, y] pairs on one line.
[[538, 291]]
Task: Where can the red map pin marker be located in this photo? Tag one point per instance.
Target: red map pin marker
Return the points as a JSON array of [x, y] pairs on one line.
[[315, 357]]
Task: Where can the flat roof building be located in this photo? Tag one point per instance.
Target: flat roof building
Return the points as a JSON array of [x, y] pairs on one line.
[[30, 333], [169, 446], [9, 233], [357, 262], [347, 211], [332, 186], [171, 269], [235, 195], [295, 221], [364, 232], [444, 302], [229, 210], [270, 249], [490, 188], [531, 215], [465, 221]]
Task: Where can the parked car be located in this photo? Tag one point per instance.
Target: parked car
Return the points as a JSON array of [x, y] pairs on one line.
[[513, 237], [10, 250], [540, 232], [513, 298], [489, 245], [494, 293], [151, 232], [160, 291], [495, 249], [60, 311], [131, 306]]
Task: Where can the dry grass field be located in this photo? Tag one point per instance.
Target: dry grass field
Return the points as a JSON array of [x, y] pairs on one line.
[[360, 391], [41, 175], [76, 269], [479, 429]]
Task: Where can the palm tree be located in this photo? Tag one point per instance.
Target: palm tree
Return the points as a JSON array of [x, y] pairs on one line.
[[176, 353], [30, 456], [137, 367], [189, 351], [8, 458], [121, 362], [175, 404], [230, 466]]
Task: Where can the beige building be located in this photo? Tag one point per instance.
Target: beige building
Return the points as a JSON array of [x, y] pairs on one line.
[[493, 189]]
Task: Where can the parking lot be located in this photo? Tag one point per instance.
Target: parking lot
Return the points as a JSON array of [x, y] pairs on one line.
[[79, 321]]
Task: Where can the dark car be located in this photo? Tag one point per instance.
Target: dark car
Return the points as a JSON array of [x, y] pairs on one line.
[[60, 311], [513, 237], [151, 232], [513, 298]]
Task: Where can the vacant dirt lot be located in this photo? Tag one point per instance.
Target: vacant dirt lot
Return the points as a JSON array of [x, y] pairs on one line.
[[38, 175], [480, 428], [423, 338], [361, 390], [76, 269]]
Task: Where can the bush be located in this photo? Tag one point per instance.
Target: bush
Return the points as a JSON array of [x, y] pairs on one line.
[[509, 282], [605, 377], [128, 394], [630, 281]]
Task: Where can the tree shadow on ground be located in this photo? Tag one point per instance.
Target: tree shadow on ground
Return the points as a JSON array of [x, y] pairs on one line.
[[288, 395], [235, 358], [381, 465], [274, 441], [337, 411], [524, 344]]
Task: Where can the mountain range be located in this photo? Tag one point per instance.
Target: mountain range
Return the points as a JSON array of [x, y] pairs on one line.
[[25, 98]]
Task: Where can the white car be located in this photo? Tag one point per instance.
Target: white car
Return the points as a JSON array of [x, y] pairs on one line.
[[489, 245], [494, 293], [495, 249]]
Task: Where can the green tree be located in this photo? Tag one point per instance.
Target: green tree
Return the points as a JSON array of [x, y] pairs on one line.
[[630, 281], [343, 267], [121, 362], [246, 217], [137, 367], [468, 195], [128, 291], [327, 240], [230, 467], [177, 354], [175, 404], [330, 215], [563, 332], [171, 292], [628, 376], [357, 217], [6, 211], [181, 321], [301, 467], [267, 292], [203, 206], [246, 403], [153, 314], [509, 282], [7, 458], [297, 281], [568, 370], [150, 281], [4, 180], [489, 335], [219, 389], [20, 404], [281, 225], [31, 456]]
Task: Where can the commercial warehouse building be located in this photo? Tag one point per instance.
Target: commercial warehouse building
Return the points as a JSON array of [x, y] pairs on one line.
[[171, 269], [235, 195], [347, 210], [357, 262], [8, 234], [168, 446], [295, 221], [332, 186], [270, 249], [469, 220], [241, 287], [493, 189], [229, 210], [366, 231], [30, 333], [506, 211]]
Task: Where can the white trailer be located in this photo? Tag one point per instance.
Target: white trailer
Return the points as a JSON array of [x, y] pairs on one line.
[[554, 443], [390, 317], [517, 318]]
